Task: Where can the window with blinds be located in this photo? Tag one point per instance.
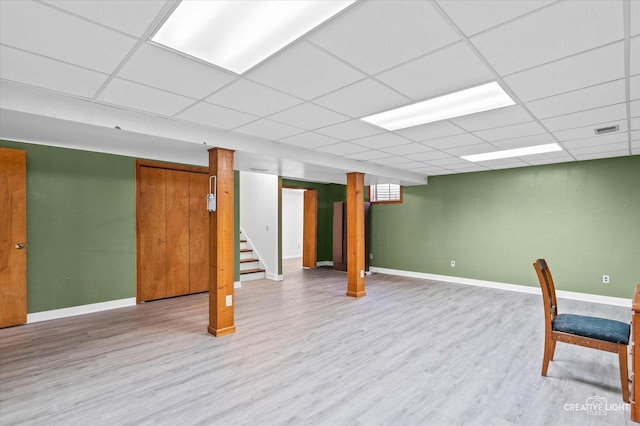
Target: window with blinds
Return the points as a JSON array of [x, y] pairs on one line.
[[385, 193]]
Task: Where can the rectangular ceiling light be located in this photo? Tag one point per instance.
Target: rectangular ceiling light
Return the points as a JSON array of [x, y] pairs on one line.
[[236, 35], [477, 99], [517, 152]]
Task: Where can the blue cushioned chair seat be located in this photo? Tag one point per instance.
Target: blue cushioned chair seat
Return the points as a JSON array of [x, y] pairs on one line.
[[593, 327]]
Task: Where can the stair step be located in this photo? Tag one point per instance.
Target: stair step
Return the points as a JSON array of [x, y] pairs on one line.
[[245, 250], [249, 259], [251, 271]]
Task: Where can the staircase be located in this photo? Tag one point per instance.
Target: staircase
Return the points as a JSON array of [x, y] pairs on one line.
[[249, 265]]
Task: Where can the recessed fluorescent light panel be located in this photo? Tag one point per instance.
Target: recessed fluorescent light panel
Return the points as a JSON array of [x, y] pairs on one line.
[[477, 99], [237, 35], [518, 152]]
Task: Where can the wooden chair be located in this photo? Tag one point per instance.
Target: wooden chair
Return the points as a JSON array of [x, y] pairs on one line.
[[592, 332]]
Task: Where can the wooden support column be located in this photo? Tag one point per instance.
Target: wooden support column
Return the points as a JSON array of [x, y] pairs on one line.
[[310, 229], [221, 245], [355, 235]]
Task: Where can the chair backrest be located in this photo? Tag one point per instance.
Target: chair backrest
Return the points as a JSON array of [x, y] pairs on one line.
[[548, 289]]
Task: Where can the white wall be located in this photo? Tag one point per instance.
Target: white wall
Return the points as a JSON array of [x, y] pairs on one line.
[[259, 217], [292, 217]]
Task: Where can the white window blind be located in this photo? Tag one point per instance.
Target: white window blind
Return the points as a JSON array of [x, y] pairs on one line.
[[384, 192]]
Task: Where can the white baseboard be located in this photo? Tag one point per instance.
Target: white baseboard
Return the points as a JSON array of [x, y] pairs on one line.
[[324, 263], [585, 297], [237, 284], [79, 310], [274, 277]]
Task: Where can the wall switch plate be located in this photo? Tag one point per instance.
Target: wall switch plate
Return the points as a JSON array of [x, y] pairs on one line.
[[605, 279], [362, 273], [229, 300], [453, 263], [370, 255]]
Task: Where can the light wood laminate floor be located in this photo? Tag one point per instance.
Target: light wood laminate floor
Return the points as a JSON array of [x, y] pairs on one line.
[[412, 352]]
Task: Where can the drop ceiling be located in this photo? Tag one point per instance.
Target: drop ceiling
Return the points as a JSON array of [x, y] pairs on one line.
[[71, 71]]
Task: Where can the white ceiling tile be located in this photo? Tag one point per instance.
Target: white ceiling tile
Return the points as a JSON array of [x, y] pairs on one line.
[[377, 35], [431, 170], [213, 115], [549, 158], [410, 164], [133, 95], [390, 161], [635, 123], [635, 108], [310, 140], [369, 155], [158, 67], [512, 164], [635, 56], [428, 131], [49, 32], [253, 98], [495, 118], [407, 149], [634, 90], [432, 75], [586, 69], [580, 25], [473, 16], [480, 148], [635, 18], [342, 148], [430, 156], [453, 141], [26, 68], [511, 132], [525, 141], [133, 17], [269, 129], [579, 100], [305, 71], [308, 116], [363, 98], [596, 140], [586, 131], [384, 140], [595, 116], [348, 130], [451, 161], [603, 151]]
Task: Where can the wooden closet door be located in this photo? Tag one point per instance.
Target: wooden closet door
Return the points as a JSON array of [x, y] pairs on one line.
[[177, 223], [198, 233], [13, 237], [152, 238]]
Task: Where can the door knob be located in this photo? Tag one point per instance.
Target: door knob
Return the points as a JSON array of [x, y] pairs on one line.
[[20, 246]]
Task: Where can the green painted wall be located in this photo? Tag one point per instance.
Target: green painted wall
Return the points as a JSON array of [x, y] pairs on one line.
[[80, 227], [328, 193], [583, 217]]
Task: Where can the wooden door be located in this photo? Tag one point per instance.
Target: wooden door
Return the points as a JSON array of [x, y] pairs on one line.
[[177, 231], [151, 234], [198, 233], [310, 228], [13, 237]]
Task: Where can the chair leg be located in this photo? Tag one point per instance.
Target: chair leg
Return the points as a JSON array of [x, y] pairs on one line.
[[553, 349], [624, 373], [549, 345]]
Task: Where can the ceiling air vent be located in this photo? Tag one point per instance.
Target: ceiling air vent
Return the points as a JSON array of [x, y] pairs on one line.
[[603, 130]]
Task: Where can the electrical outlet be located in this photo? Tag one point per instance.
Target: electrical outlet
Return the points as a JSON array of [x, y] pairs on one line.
[[605, 279], [229, 300], [453, 263]]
